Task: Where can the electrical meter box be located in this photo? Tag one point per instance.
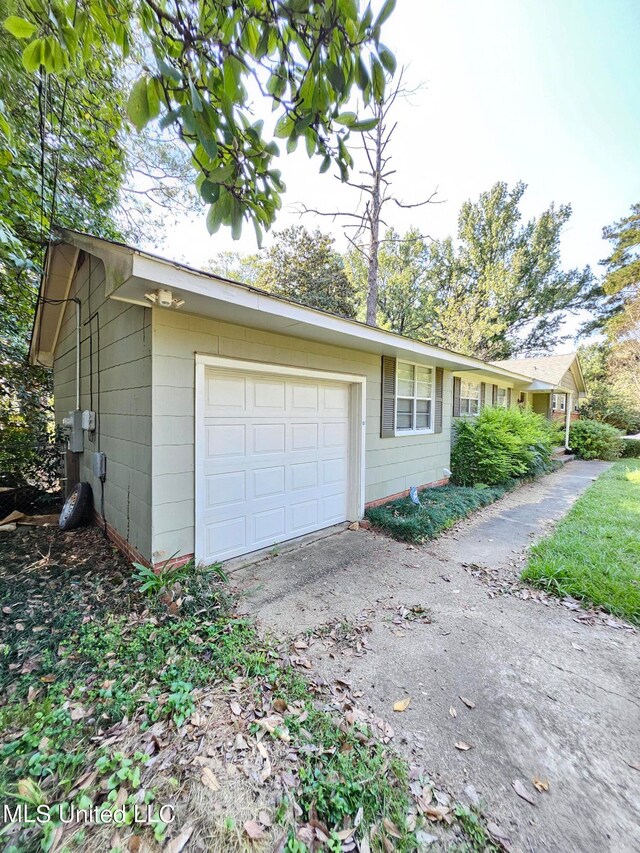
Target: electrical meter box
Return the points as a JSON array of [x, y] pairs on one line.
[[100, 465], [73, 426], [89, 421]]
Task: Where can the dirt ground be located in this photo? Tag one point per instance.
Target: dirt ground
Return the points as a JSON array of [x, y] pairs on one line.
[[506, 685]]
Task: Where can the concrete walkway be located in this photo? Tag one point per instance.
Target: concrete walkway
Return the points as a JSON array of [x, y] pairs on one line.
[[555, 699]]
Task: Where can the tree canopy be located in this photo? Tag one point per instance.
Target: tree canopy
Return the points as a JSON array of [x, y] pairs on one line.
[[304, 266], [203, 61]]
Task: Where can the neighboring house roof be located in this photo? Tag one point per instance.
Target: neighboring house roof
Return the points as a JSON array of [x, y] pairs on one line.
[[548, 368], [130, 271]]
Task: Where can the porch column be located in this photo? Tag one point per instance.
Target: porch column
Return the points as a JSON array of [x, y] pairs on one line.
[[567, 418]]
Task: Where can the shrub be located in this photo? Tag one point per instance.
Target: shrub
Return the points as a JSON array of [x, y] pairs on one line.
[[595, 440], [605, 406], [501, 444], [631, 448]]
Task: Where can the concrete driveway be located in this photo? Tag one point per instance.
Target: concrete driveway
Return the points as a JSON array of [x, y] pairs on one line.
[[556, 696]]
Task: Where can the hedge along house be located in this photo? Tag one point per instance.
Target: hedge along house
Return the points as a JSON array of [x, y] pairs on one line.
[[213, 419], [558, 386]]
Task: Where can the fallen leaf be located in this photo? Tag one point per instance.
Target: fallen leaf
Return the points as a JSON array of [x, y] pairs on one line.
[[540, 784], [523, 792], [453, 712], [264, 818], [279, 705], [209, 779], [180, 841], [576, 646], [391, 828], [463, 745], [254, 830], [235, 708], [402, 704], [467, 702]]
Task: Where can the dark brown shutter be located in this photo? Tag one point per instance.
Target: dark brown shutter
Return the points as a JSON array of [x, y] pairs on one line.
[[509, 397], [457, 382], [388, 414], [494, 395], [483, 393], [437, 416]]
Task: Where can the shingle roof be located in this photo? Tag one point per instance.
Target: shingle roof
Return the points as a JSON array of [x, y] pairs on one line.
[[548, 368]]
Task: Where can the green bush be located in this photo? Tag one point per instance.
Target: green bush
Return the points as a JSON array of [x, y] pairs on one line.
[[595, 440], [631, 448], [501, 444], [605, 406]]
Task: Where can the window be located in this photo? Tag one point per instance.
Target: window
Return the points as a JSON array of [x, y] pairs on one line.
[[469, 398], [414, 398], [558, 402], [501, 397]]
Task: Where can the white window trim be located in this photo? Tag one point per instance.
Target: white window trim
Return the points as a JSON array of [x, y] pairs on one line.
[[478, 399], [414, 431], [558, 402], [504, 388]]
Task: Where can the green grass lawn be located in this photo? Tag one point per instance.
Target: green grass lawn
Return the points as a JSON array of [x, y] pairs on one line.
[[594, 553]]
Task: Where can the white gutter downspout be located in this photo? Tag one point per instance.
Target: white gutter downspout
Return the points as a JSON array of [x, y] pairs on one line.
[[77, 301], [567, 419]]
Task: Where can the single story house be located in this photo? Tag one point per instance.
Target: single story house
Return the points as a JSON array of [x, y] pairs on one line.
[[213, 419], [564, 371]]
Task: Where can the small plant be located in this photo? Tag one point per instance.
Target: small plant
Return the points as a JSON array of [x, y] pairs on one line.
[[154, 581], [595, 440], [179, 705], [631, 448]]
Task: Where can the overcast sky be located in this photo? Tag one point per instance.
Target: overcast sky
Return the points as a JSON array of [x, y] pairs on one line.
[[544, 91]]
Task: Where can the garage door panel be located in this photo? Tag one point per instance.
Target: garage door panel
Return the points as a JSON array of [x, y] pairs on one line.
[[268, 482], [225, 440], [274, 460]]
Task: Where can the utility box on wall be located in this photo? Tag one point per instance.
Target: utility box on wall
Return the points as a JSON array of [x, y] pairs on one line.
[[75, 436]]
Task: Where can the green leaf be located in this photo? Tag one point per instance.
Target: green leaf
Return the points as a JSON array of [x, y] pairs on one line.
[[385, 13], [138, 104], [377, 79], [214, 218], [284, 126], [209, 191], [387, 59], [347, 119], [19, 27], [33, 55], [365, 124]]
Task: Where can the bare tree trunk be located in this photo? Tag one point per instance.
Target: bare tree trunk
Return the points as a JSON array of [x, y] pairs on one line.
[[374, 225]]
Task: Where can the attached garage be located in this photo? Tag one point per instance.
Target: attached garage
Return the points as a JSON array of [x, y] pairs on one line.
[[278, 454]]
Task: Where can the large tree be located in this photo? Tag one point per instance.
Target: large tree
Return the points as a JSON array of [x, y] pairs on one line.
[[500, 289], [303, 266], [303, 56]]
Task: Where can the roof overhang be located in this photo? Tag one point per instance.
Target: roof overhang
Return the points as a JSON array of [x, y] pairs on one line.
[[59, 268], [131, 273]]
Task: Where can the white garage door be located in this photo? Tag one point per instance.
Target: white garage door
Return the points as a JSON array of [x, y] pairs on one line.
[[273, 462]]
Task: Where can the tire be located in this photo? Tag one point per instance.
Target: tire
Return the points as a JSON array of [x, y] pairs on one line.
[[75, 507]]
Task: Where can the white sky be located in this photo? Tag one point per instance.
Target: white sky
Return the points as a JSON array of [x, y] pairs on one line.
[[544, 91]]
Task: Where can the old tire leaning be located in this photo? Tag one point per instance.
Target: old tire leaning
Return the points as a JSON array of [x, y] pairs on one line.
[[75, 507]]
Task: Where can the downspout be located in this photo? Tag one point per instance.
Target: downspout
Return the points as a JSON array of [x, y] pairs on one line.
[[567, 419], [77, 301]]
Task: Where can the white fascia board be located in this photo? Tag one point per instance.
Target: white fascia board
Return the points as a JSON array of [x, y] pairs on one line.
[[207, 295]]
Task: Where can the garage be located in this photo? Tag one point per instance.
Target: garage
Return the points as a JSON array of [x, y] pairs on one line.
[[275, 457]]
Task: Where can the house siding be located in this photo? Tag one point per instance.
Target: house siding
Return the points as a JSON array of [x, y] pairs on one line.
[[392, 464], [121, 400]]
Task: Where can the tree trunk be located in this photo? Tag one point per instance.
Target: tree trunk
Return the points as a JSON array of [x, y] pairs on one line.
[[374, 226]]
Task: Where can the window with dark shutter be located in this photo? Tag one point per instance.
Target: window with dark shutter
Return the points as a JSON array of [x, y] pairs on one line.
[[388, 414], [437, 420], [483, 393]]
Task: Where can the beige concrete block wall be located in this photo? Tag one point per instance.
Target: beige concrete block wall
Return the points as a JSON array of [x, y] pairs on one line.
[[121, 398], [392, 464]]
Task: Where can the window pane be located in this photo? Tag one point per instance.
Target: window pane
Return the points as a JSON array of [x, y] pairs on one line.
[[474, 407], [405, 379], [423, 414], [502, 396], [470, 390], [424, 381], [404, 414]]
